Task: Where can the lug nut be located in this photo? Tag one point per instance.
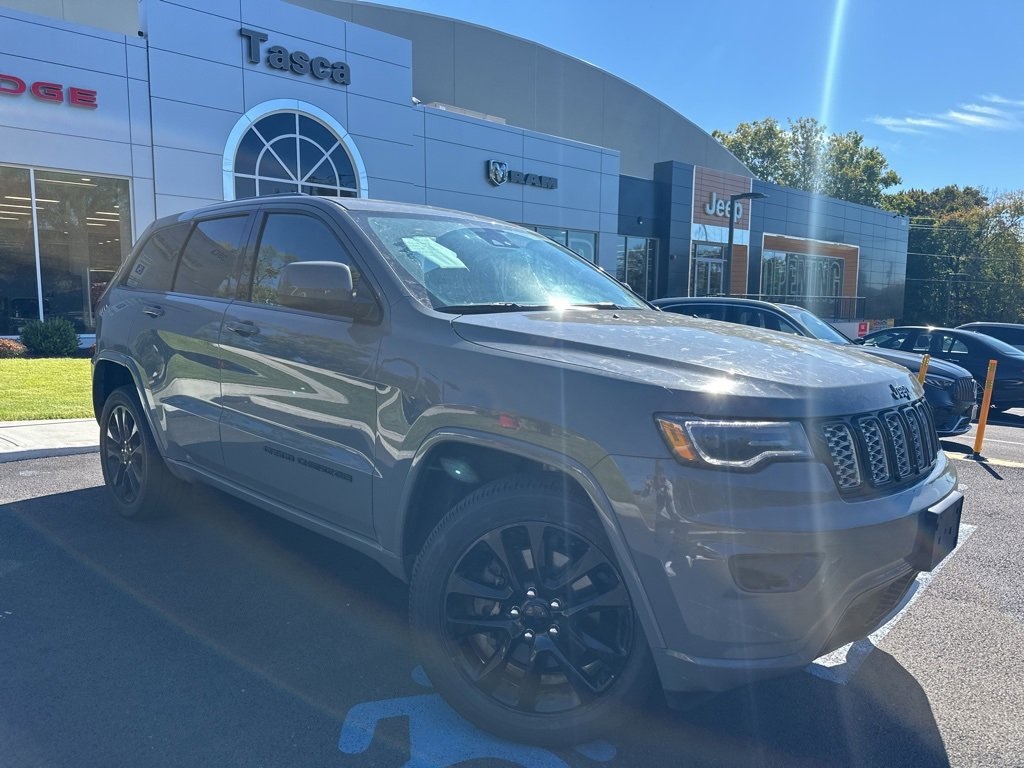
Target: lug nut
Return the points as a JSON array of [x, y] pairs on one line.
[[528, 635], [553, 631], [556, 605], [531, 592], [514, 613]]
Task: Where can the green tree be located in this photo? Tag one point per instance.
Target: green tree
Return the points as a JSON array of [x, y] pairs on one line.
[[806, 156], [965, 255]]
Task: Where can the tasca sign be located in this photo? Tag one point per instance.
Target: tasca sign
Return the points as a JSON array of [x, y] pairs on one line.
[[297, 62]]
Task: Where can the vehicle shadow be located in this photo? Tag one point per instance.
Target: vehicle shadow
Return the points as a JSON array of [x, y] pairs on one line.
[[882, 716], [219, 595]]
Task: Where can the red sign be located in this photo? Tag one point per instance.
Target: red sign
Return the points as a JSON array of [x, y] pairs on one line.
[[55, 93], [862, 328]]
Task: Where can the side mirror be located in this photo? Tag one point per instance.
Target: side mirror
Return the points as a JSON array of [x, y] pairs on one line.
[[316, 286]]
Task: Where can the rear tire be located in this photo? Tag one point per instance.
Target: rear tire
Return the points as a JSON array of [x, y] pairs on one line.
[[522, 619], [137, 479]]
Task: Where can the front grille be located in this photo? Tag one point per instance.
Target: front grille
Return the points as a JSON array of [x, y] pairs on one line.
[[878, 450], [965, 390]]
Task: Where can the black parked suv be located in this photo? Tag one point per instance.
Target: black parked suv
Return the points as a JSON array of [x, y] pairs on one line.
[[1011, 333], [968, 349], [950, 390], [586, 495]]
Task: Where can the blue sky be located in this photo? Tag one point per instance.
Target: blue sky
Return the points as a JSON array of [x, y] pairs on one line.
[[937, 85]]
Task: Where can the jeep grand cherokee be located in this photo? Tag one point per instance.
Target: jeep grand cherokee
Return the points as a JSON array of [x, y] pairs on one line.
[[586, 495]]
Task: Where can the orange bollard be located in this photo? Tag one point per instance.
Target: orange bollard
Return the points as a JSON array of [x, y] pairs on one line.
[[986, 401], [924, 369]]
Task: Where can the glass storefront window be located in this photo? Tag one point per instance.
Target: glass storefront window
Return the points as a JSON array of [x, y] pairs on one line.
[[19, 295], [636, 265], [801, 274], [83, 232], [579, 241], [583, 244]]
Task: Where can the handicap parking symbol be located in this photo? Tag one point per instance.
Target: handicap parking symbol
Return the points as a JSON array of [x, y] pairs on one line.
[[438, 737]]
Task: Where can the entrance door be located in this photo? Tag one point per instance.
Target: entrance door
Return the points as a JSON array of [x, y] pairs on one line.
[[707, 276]]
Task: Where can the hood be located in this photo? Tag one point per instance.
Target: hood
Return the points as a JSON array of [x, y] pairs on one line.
[[913, 362], [676, 352]]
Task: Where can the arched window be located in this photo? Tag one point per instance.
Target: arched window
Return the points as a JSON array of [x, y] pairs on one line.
[[290, 146]]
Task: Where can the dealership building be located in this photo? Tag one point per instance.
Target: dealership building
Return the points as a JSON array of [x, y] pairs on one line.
[[113, 114]]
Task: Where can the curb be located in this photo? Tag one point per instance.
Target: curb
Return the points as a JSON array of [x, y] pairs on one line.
[[45, 453]]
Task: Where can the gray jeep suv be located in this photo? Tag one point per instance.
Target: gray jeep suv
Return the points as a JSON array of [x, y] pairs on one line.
[[586, 495]]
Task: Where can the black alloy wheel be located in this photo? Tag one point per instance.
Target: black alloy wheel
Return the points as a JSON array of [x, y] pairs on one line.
[[136, 477], [527, 626], [124, 454]]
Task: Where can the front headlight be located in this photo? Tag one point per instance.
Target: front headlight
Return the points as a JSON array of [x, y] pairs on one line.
[[737, 444], [941, 382]]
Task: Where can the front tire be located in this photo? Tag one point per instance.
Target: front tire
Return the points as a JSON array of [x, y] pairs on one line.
[[137, 479], [522, 619]]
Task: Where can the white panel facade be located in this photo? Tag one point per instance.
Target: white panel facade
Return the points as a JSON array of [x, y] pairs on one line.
[[173, 105]]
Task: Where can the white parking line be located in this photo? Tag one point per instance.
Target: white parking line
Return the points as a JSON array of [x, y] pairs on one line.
[[840, 666]]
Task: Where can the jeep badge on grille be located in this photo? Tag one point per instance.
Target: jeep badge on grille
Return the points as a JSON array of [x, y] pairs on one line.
[[899, 393]]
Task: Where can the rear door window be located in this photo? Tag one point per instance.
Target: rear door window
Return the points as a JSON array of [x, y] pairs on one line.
[[210, 263], [153, 269]]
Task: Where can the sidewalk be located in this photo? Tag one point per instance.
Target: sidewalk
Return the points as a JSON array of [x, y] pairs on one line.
[[34, 439]]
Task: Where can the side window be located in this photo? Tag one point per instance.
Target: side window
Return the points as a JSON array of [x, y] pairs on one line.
[[922, 343], [891, 340], [745, 316], [709, 311], [951, 345], [783, 325], [209, 266], [153, 269], [291, 237]]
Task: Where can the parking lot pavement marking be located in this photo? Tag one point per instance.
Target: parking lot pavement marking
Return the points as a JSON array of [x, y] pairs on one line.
[[842, 664], [983, 460], [439, 737]]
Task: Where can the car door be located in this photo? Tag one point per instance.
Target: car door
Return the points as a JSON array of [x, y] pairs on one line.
[[962, 350], [175, 331], [298, 387]]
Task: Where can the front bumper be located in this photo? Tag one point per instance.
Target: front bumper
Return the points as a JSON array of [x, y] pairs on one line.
[[753, 575]]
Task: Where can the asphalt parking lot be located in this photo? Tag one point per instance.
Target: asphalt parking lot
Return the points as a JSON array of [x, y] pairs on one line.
[[223, 636]]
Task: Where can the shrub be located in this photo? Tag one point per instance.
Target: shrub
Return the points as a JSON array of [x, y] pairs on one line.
[[11, 348], [54, 337]]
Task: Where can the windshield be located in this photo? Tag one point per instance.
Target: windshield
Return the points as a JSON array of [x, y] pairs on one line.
[[818, 327], [458, 264]]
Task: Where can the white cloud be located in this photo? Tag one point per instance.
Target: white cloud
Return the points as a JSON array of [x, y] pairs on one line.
[[908, 124], [1008, 115], [994, 99], [974, 120]]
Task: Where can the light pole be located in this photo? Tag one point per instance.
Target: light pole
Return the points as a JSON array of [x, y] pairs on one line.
[[732, 226]]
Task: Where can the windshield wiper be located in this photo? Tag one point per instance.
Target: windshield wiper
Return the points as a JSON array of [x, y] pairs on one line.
[[600, 305], [497, 306]]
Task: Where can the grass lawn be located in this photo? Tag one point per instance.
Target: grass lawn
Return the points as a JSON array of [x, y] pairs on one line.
[[45, 388]]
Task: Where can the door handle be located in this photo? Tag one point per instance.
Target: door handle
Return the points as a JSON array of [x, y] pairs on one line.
[[244, 328], [152, 310]]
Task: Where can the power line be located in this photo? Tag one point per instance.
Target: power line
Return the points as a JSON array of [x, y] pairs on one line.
[[1019, 258]]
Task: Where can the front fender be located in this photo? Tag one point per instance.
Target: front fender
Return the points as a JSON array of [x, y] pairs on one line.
[[584, 477]]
